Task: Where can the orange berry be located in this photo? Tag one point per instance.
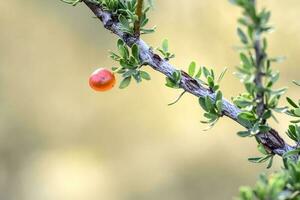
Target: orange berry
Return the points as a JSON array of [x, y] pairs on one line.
[[102, 80]]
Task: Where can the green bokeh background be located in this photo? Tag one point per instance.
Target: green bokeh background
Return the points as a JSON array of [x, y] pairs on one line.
[[59, 140]]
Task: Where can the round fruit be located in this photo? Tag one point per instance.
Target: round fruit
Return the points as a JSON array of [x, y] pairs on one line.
[[102, 80]]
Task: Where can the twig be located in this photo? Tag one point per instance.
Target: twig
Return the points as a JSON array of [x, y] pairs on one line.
[[177, 99], [137, 23]]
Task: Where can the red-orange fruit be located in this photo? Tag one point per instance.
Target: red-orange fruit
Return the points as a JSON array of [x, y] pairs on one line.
[[102, 80]]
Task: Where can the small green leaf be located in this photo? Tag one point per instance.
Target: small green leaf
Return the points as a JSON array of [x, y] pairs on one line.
[[260, 159], [210, 81], [125, 82], [135, 52], [245, 60], [291, 102], [145, 75], [198, 75], [262, 149], [215, 88], [255, 159], [123, 51], [247, 116], [192, 69], [296, 82], [219, 96], [202, 103], [120, 43], [297, 111], [243, 133], [165, 45], [72, 2], [246, 119], [270, 163], [208, 103], [219, 106], [291, 153], [222, 75], [264, 128], [267, 114], [242, 36], [205, 72], [170, 83]]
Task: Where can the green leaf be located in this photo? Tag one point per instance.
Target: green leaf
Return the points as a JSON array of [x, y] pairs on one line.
[[260, 159], [219, 96], [137, 77], [129, 73], [123, 63], [267, 114], [255, 159], [291, 102], [210, 81], [246, 119], [242, 36], [192, 69], [262, 149], [170, 83], [212, 117], [72, 2], [296, 82], [174, 78], [215, 87], [124, 21], [270, 162], [279, 92], [247, 116], [264, 128], [202, 103], [208, 103], [145, 75], [205, 72], [222, 75], [245, 60], [123, 51], [198, 75], [165, 45], [120, 43], [125, 82], [135, 52], [297, 111], [243, 133], [291, 153], [219, 106]]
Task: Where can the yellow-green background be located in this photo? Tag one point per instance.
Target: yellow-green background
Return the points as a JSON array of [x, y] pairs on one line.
[[59, 140]]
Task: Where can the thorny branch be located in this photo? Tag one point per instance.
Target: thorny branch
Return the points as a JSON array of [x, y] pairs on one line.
[[271, 140]]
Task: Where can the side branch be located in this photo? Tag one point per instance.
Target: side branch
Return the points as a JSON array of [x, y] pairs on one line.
[[137, 24], [270, 140]]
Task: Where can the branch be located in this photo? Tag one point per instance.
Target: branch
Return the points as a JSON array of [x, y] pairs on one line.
[[259, 58], [270, 140], [137, 23]]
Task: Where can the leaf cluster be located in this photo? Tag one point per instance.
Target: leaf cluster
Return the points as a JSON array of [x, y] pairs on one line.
[[164, 50], [283, 185], [124, 10], [266, 156], [213, 108], [130, 64]]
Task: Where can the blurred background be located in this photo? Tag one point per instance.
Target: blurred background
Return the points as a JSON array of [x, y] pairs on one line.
[[60, 140]]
